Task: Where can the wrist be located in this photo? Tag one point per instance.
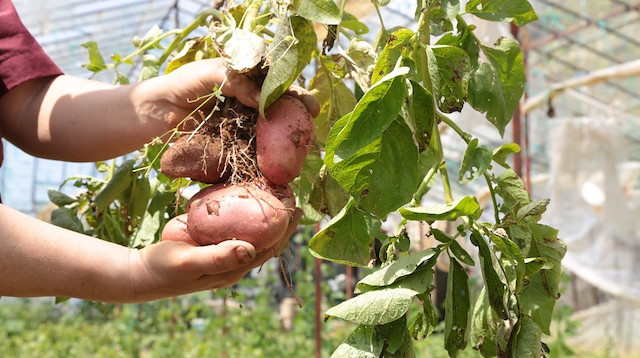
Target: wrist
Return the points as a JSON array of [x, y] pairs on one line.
[[152, 107], [141, 286]]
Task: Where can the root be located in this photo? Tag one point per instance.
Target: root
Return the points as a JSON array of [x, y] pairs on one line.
[[286, 274]]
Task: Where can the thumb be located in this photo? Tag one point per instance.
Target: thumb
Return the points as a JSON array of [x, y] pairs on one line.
[[223, 257]]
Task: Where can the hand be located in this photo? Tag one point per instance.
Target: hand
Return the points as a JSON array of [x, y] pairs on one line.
[[177, 265], [172, 268], [197, 79]]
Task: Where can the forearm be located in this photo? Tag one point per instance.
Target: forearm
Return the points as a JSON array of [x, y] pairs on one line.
[[39, 259], [74, 119]]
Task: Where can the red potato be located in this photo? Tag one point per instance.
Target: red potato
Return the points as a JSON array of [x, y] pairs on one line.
[[197, 156], [176, 230], [244, 212], [283, 141]]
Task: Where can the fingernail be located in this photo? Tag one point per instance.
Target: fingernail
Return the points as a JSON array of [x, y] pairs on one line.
[[242, 254], [256, 96]]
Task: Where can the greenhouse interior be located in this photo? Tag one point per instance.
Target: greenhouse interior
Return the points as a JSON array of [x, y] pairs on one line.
[[577, 126]]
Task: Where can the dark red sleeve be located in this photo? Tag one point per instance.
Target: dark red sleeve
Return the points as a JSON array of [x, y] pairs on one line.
[[21, 57]]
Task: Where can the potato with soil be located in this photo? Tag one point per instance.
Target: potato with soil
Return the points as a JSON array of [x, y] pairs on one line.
[[250, 212], [283, 139], [198, 156]]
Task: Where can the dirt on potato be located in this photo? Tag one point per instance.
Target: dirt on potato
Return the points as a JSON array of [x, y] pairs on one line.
[[222, 149]]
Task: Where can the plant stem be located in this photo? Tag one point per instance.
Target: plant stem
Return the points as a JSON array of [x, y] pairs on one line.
[[442, 117], [188, 30], [493, 198], [250, 15], [375, 4], [467, 138], [417, 196], [424, 32], [446, 185]]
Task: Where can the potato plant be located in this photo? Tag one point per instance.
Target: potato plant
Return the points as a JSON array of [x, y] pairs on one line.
[[376, 150]]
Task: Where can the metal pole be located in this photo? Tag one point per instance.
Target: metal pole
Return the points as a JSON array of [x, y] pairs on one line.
[[318, 318], [317, 270]]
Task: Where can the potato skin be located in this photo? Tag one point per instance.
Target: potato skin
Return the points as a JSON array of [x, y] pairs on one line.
[[176, 230], [198, 157], [284, 139], [244, 212]]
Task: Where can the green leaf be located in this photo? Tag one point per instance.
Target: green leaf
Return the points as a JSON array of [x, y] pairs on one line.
[[352, 23], [375, 111], [363, 342], [456, 305], [464, 39], [441, 235], [525, 340], [67, 218], [111, 228], [465, 206], [327, 196], [244, 50], [117, 184], [503, 152], [533, 210], [322, 11], [483, 331], [449, 69], [61, 299], [370, 174], [192, 50], [333, 96], [389, 188], [96, 61], [399, 42], [537, 303], [495, 287], [148, 231], [425, 321], [486, 95], [150, 67], [520, 12], [421, 115], [420, 280], [161, 196], [546, 245], [60, 198], [152, 35], [393, 334], [347, 238], [535, 264], [374, 307], [293, 46], [496, 87], [476, 161], [360, 61], [121, 78], [512, 261], [138, 197], [512, 191], [398, 269], [460, 253], [303, 186], [382, 2], [439, 21]]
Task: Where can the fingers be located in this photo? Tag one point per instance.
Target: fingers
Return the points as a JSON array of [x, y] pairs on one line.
[[224, 257], [307, 98], [176, 230], [200, 77], [242, 87]]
